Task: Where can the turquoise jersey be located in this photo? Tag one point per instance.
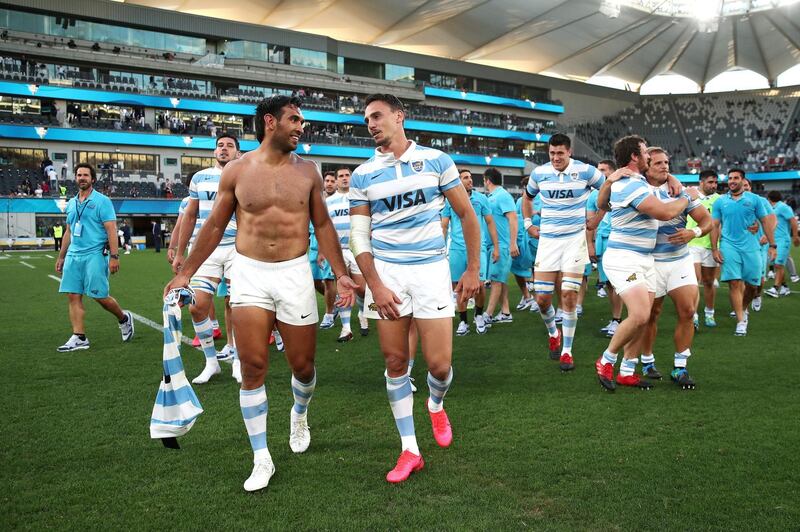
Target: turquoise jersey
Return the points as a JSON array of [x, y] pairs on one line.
[[480, 204], [737, 215], [502, 202], [85, 220], [784, 214], [604, 227]]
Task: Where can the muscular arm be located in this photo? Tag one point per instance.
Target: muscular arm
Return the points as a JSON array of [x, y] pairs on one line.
[[703, 218], [768, 223], [512, 230], [113, 245], [594, 219], [604, 197], [327, 238], [655, 208], [189, 220], [492, 227], [213, 228]]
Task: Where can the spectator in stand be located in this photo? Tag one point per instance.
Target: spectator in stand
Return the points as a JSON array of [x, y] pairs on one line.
[[134, 191], [45, 188]]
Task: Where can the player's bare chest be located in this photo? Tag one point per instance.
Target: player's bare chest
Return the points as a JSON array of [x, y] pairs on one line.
[[288, 192]]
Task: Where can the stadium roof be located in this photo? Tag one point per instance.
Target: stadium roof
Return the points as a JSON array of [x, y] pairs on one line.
[[633, 40]]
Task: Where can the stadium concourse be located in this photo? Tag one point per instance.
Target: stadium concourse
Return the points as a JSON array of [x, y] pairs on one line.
[[570, 246]]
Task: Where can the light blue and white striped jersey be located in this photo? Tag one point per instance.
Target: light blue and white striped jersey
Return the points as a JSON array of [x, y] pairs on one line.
[[564, 196], [631, 230], [664, 250], [405, 198], [204, 188], [182, 207], [480, 204], [604, 227], [339, 211]]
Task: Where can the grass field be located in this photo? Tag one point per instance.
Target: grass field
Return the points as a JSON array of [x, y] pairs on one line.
[[533, 448]]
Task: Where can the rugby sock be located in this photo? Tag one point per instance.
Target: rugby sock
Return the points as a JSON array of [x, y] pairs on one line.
[[478, 310], [215, 323], [254, 412], [124, 319], [648, 358], [205, 332], [681, 358], [709, 311], [628, 366], [360, 303], [549, 317], [410, 365], [463, 316], [81, 336], [568, 325], [437, 390], [609, 357], [344, 315], [302, 392], [402, 402], [790, 267]]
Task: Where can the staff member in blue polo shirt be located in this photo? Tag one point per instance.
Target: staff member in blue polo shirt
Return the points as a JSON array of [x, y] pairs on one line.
[[739, 252], [83, 260]]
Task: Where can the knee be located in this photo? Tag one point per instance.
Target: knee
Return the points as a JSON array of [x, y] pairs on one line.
[[543, 300], [198, 313], [304, 371], [638, 318], [396, 362], [439, 370]]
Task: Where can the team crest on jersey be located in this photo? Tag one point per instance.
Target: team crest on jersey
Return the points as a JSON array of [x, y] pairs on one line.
[[631, 278], [417, 166], [373, 307], [574, 176]]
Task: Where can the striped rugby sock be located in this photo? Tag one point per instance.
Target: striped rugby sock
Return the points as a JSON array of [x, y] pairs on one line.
[[402, 402], [628, 366], [438, 389], [568, 326], [344, 315], [254, 412], [205, 333], [549, 317], [302, 392]]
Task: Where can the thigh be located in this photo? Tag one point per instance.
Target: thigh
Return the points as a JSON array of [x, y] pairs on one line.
[[458, 263], [436, 336], [498, 271], [292, 289], [251, 327], [301, 343], [96, 276], [430, 289], [72, 275], [393, 336], [391, 275]]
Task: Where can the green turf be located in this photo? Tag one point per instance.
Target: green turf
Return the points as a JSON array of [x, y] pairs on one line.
[[533, 448]]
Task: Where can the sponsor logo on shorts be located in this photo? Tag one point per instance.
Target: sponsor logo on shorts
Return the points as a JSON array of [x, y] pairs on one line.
[[417, 166], [373, 307], [631, 278]]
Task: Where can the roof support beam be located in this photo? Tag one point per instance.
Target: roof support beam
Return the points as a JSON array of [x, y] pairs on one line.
[[641, 43], [429, 23], [680, 49]]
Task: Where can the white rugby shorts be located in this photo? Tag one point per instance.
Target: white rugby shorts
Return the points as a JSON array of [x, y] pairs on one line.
[[285, 288], [703, 256], [425, 290], [350, 261], [625, 269], [218, 264], [568, 254], [674, 274]]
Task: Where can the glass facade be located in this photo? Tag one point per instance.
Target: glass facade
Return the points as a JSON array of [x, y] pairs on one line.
[[258, 51], [131, 162], [191, 164], [398, 73], [22, 157], [308, 58], [100, 33], [26, 106]]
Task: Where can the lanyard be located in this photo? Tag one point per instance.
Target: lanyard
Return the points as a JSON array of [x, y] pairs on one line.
[[78, 205]]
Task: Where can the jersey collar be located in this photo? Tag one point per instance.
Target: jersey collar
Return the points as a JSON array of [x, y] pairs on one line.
[[388, 158]]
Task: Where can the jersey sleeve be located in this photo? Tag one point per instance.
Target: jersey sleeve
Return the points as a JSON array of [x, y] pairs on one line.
[[106, 211], [358, 190], [591, 203], [507, 203], [448, 173], [693, 204], [193, 188], [533, 186], [596, 178], [716, 211], [632, 193], [762, 209]]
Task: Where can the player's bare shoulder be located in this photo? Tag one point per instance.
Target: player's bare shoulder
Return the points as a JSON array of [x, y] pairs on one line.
[[306, 168]]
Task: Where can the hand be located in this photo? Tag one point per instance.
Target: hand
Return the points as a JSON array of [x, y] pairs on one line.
[[387, 302], [179, 281], [675, 186], [717, 254], [495, 254], [113, 265], [320, 261], [592, 252], [534, 231], [60, 264], [345, 288], [796, 241], [753, 228], [693, 192], [619, 174], [170, 255], [772, 253], [177, 264], [468, 286], [514, 249], [763, 240], [684, 236]]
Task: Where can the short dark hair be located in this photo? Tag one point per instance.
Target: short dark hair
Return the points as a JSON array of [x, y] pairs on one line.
[[225, 135], [272, 106], [389, 99], [560, 139], [329, 172], [608, 162], [462, 170], [493, 175], [625, 148], [705, 174], [774, 195], [343, 168], [739, 170], [86, 165]]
